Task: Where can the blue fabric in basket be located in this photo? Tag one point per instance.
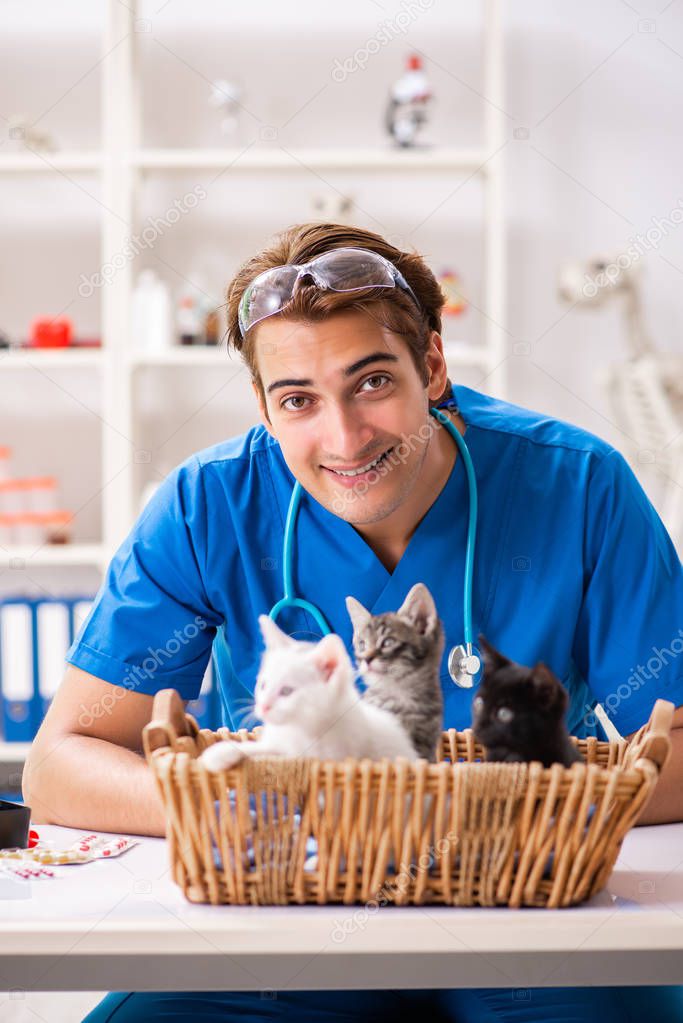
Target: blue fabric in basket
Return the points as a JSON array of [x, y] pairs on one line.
[[311, 861], [311, 844]]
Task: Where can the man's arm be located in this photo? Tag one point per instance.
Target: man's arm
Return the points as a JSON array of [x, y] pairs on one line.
[[86, 768], [665, 805]]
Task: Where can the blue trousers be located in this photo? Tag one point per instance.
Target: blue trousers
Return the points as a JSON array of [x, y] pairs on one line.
[[465, 1005]]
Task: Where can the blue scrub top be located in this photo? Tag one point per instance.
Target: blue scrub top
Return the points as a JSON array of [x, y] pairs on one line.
[[572, 567]]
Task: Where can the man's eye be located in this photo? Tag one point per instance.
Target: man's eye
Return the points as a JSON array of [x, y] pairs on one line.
[[294, 397], [377, 376]]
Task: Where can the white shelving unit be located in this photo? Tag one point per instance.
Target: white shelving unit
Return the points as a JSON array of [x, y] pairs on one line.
[[122, 165], [359, 159]]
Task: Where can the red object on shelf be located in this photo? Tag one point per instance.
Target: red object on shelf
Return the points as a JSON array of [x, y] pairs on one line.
[[51, 333], [33, 839]]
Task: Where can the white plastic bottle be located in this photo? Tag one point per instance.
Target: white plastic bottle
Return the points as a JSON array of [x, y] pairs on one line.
[[152, 319]]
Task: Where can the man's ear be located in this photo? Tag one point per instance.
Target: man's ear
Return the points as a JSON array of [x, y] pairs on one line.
[[262, 409], [436, 367]]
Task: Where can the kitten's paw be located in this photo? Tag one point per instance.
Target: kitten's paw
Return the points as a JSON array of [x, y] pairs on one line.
[[221, 756]]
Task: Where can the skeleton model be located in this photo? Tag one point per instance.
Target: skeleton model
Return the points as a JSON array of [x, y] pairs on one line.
[[645, 391]]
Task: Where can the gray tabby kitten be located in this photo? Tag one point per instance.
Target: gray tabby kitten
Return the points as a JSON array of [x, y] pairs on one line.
[[399, 658]]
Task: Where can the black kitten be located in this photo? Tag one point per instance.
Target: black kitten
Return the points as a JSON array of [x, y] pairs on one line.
[[519, 712]]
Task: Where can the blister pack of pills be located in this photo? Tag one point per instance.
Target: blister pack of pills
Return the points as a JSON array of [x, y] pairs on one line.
[[34, 863]]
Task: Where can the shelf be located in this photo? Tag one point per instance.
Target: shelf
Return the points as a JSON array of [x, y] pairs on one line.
[[20, 556], [34, 161], [252, 158], [50, 358], [277, 158]]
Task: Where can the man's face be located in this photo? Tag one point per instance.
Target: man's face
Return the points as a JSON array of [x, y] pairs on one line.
[[340, 394]]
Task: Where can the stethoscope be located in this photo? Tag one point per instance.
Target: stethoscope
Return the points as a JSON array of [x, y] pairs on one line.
[[464, 660]]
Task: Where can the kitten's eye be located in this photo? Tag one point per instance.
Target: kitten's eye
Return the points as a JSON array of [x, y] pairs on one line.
[[387, 643], [477, 704], [505, 715], [286, 690], [360, 644]]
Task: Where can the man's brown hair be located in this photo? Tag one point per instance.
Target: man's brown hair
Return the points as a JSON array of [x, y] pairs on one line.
[[393, 309]]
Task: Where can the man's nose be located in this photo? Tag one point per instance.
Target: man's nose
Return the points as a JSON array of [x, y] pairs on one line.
[[345, 436]]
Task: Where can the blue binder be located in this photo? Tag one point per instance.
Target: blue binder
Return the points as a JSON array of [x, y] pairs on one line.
[[20, 705], [34, 637]]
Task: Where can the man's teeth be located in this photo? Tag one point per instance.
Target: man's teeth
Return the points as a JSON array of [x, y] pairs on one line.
[[365, 468]]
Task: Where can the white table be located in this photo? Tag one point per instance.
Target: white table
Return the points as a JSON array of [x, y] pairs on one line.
[[124, 925]]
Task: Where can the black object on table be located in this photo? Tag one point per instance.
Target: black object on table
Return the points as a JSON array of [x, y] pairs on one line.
[[14, 825]]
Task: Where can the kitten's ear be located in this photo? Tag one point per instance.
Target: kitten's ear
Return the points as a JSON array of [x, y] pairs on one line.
[[357, 613], [272, 634], [549, 692], [493, 659], [420, 609], [328, 654]]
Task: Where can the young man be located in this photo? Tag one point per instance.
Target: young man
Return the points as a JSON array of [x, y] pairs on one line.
[[341, 333]]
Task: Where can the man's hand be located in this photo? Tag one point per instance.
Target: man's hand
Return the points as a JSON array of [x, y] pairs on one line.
[[665, 805]]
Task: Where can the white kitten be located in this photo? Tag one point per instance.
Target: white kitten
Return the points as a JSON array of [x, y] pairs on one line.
[[307, 699]]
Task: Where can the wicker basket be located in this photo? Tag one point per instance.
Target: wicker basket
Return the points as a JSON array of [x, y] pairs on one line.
[[459, 832]]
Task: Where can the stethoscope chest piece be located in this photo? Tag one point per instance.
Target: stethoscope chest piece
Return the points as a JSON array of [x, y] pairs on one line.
[[463, 664]]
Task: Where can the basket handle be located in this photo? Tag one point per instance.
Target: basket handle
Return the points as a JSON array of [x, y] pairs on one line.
[[652, 740], [169, 722]]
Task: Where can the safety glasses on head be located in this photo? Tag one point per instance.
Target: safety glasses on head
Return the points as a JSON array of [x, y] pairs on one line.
[[342, 269]]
